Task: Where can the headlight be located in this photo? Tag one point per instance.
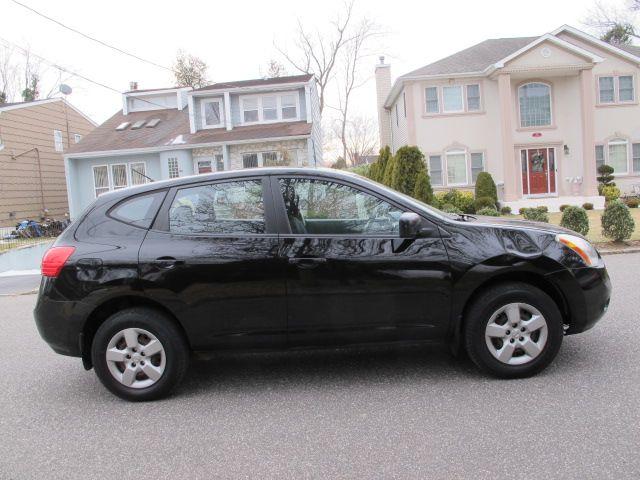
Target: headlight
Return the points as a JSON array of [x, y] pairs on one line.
[[581, 247]]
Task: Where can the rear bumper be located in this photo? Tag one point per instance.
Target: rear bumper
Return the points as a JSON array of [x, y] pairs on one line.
[[587, 292]]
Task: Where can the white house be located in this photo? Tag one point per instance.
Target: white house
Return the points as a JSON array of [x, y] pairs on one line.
[[174, 132]]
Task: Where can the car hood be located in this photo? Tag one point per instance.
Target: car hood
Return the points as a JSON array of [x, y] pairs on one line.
[[502, 222]]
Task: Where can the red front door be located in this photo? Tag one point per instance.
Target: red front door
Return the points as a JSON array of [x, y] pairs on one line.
[[538, 172]]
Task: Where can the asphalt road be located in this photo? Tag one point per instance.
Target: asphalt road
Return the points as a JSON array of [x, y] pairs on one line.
[[365, 413]]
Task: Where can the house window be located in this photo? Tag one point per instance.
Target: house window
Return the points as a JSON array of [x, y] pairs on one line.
[[100, 179], [219, 162], [270, 159], [119, 176], [138, 172], [599, 155], [269, 108], [77, 137], [477, 165], [212, 113], [473, 97], [431, 96], [625, 88], [172, 164], [535, 105], [617, 156], [204, 166], [404, 104], [607, 93], [452, 99], [456, 167], [435, 169], [57, 141], [250, 110], [289, 107], [397, 119], [249, 160]]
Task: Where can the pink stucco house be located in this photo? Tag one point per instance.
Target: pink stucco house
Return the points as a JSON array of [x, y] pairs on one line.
[[538, 113]]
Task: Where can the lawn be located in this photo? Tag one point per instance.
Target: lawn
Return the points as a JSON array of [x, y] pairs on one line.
[[595, 228]]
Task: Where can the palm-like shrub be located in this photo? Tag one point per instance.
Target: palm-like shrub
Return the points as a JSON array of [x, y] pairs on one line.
[[617, 222], [576, 219]]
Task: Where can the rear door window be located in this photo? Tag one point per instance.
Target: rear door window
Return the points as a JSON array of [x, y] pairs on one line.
[[219, 208], [139, 210]]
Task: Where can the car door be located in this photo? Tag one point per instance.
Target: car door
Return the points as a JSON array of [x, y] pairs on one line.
[[212, 259], [350, 278]]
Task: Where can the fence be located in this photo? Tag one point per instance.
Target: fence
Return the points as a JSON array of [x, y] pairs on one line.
[[30, 232]]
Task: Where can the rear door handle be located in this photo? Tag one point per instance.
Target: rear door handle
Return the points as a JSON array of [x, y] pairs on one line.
[[168, 262]]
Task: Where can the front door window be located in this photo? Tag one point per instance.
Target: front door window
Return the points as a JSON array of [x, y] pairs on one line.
[[538, 171]]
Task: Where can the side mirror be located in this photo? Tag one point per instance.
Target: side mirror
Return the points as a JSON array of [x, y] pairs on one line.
[[410, 225]]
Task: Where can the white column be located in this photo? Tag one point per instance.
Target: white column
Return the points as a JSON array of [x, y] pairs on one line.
[[227, 111]]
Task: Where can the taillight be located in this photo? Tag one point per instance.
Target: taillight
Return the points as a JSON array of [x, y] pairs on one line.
[[54, 259]]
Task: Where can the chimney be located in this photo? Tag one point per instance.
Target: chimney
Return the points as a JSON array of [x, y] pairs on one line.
[[133, 86], [383, 87]]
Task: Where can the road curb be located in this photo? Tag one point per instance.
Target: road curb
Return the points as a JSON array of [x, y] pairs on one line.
[[620, 252]]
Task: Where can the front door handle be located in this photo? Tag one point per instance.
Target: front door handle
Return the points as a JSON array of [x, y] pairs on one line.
[[307, 262], [168, 262]]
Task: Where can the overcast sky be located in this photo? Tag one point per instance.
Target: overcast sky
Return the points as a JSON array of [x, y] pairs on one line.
[[236, 38]]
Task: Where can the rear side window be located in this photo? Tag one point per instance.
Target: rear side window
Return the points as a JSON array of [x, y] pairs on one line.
[[140, 210], [219, 208]]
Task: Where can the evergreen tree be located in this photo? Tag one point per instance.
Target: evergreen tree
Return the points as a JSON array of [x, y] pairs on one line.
[[423, 190], [409, 163]]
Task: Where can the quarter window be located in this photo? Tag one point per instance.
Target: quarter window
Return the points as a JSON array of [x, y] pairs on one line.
[[535, 105], [452, 99], [456, 168], [320, 207], [219, 208], [138, 210]]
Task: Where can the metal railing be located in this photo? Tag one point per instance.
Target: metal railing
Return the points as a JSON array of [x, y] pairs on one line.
[[29, 232]]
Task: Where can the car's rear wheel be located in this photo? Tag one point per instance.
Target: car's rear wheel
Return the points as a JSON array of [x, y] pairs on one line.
[[140, 354], [513, 330]]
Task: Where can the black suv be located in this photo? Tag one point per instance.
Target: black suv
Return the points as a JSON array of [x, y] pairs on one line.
[[277, 258]]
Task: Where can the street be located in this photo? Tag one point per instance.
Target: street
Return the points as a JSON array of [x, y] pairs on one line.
[[383, 412]]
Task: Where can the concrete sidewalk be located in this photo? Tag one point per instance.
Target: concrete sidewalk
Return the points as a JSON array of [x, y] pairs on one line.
[[19, 284]]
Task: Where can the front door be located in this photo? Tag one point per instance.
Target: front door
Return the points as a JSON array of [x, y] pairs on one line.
[[538, 171], [212, 259], [350, 278]]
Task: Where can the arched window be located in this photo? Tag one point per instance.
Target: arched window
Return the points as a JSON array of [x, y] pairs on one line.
[[535, 104]]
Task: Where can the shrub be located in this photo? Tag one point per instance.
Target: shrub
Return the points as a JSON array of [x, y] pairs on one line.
[[576, 219], [448, 208], [409, 162], [484, 202], [562, 207], [587, 206], [536, 214], [462, 200], [486, 187], [632, 202], [361, 170], [522, 210], [387, 176], [610, 193], [617, 222], [505, 210], [488, 211], [543, 208], [376, 172], [605, 177], [423, 190]]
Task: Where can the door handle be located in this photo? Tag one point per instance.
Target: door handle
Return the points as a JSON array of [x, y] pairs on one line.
[[168, 262], [307, 262]]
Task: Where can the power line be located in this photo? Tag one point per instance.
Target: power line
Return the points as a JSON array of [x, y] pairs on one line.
[[89, 37], [70, 72]]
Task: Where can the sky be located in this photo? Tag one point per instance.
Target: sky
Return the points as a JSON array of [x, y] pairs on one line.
[[236, 39]]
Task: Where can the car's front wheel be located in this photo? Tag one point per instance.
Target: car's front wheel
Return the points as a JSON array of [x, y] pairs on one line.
[[140, 354], [513, 330]]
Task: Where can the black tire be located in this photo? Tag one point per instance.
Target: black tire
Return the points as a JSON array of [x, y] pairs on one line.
[[489, 302], [176, 350]]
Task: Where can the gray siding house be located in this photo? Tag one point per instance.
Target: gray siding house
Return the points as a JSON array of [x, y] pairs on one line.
[[174, 132]]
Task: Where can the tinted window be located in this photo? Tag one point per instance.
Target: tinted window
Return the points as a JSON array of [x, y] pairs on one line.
[[324, 207], [232, 207], [139, 211]]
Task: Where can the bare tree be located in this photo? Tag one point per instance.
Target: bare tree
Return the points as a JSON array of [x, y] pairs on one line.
[[316, 53], [275, 69], [190, 71], [8, 75], [361, 139], [614, 25]]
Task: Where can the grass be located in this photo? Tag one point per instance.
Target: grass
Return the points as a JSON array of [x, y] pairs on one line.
[[595, 227]]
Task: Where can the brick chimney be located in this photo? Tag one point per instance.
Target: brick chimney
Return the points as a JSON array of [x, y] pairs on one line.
[[383, 87]]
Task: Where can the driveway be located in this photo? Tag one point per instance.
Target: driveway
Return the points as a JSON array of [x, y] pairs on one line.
[[367, 413]]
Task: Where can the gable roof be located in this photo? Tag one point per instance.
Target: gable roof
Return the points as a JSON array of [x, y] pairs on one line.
[[34, 103], [256, 82], [632, 49]]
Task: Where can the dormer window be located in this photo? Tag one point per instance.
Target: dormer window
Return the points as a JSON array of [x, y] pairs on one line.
[[212, 113], [269, 107]]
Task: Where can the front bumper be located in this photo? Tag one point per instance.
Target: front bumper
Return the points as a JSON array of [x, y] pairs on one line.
[[587, 292]]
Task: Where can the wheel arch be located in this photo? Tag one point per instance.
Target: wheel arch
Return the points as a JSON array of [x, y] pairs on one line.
[[107, 308]]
